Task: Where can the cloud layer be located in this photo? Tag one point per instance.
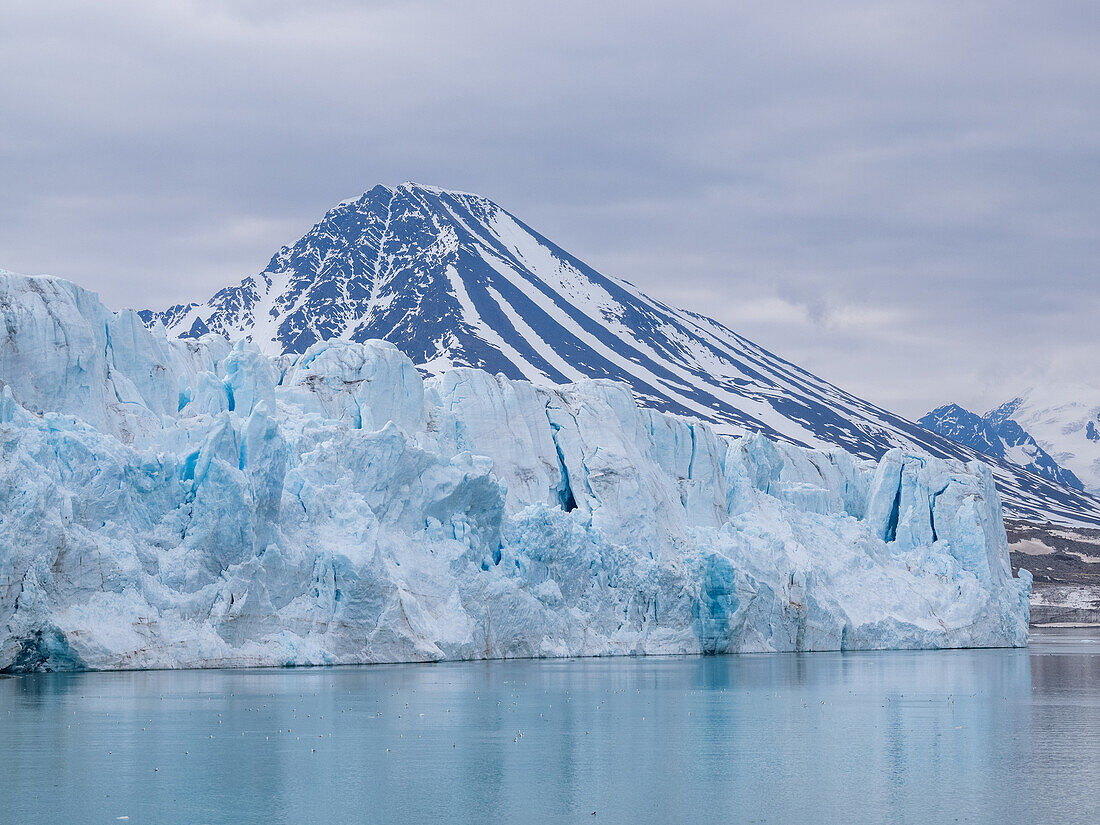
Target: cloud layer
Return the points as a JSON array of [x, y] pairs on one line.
[[901, 197]]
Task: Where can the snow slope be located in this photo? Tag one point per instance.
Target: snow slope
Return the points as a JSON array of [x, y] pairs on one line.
[[454, 280], [168, 503]]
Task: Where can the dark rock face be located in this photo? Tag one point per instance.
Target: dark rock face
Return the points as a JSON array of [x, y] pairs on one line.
[[1066, 566]]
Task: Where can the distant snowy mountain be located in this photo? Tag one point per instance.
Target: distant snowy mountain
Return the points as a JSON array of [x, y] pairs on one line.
[[454, 280], [999, 436], [1065, 421]]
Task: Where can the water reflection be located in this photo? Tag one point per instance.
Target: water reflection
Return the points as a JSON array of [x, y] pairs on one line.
[[981, 736]]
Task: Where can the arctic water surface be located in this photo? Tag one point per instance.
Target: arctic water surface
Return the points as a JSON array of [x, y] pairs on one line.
[[937, 736]]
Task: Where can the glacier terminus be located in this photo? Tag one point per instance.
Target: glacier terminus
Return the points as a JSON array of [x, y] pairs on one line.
[[197, 502]]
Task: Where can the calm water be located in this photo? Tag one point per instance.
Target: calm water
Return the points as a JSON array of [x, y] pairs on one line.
[[929, 737]]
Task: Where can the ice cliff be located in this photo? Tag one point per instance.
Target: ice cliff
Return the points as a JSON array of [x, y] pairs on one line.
[[169, 503]]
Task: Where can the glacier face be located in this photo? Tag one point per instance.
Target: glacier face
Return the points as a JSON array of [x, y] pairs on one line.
[[168, 503]]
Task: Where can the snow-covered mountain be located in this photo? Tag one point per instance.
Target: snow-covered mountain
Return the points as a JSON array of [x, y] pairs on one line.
[[1065, 421], [1000, 437], [1050, 431], [453, 280]]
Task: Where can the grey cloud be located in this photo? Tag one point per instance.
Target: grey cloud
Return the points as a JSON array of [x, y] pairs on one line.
[[899, 196]]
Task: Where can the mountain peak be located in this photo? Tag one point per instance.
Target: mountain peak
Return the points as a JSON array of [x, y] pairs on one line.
[[375, 192], [452, 279], [381, 191], [438, 190]]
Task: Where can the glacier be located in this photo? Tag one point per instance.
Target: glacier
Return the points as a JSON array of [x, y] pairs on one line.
[[198, 503]]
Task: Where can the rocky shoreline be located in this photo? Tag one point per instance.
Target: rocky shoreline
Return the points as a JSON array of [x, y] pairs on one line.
[[1066, 565]]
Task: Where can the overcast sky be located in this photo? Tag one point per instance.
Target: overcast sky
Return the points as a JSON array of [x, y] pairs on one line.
[[901, 197]]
